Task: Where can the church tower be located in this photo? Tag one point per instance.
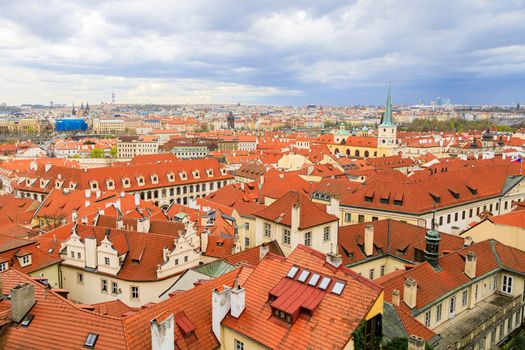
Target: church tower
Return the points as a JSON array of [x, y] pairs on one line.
[[387, 130], [231, 121]]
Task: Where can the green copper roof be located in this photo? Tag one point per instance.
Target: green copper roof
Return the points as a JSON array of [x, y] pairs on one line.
[[215, 269], [387, 116]]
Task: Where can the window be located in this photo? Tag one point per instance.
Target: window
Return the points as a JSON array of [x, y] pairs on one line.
[[246, 242], [507, 284], [518, 317], [267, 230], [186, 258], [509, 324], [106, 261], [26, 260], [440, 220], [476, 292], [501, 330], [456, 217], [464, 298], [428, 315], [463, 215], [439, 309], [134, 292], [470, 213], [382, 270], [493, 337], [326, 233], [114, 288], [176, 261], [4, 266], [495, 282], [104, 286], [239, 345], [79, 256], [308, 239], [73, 255], [452, 306], [348, 217], [361, 219], [448, 219], [91, 340], [246, 226], [286, 236], [371, 274], [80, 278]]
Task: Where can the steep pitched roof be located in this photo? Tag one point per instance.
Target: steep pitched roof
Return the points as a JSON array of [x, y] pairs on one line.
[[310, 214]]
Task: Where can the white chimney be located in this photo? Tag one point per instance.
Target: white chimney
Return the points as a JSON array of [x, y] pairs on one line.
[[468, 241], [163, 332], [296, 217], [90, 246], [410, 292], [369, 240], [220, 306], [396, 299], [263, 250], [143, 225], [238, 300], [137, 199], [334, 259], [87, 203], [84, 220], [204, 241], [470, 265], [74, 215], [88, 193]]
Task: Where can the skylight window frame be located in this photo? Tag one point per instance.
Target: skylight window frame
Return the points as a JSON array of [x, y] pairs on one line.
[[325, 282], [91, 340], [314, 279], [303, 276], [292, 272], [338, 287]]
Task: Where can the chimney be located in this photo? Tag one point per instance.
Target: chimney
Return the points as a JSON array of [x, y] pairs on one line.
[[410, 292], [369, 240], [119, 223], [97, 193], [137, 199], [163, 332], [416, 343], [334, 259], [220, 306], [143, 225], [470, 265], [22, 300], [396, 299], [90, 245], [238, 300], [263, 250], [468, 241], [87, 203], [87, 193], [204, 240], [296, 217], [74, 215], [333, 207], [84, 220]]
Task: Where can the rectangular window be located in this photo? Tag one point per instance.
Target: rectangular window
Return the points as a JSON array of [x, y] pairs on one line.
[[375, 218], [79, 255], [439, 308], [509, 324], [507, 284], [371, 274], [246, 226], [3, 266], [453, 306], [440, 220], [246, 242], [308, 239], [428, 315], [286, 236], [186, 258], [134, 292], [114, 287], [73, 255], [326, 233], [25, 259], [267, 230], [104, 286], [493, 337], [506, 205], [107, 261], [361, 219], [495, 282], [348, 217], [80, 278], [382, 270], [518, 317], [448, 219], [501, 330], [239, 345], [464, 298], [463, 215], [470, 213], [456, 217]]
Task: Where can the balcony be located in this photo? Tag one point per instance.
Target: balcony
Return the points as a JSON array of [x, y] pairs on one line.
[[469, 326]]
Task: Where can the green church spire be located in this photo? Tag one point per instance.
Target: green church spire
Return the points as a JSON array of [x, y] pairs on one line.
[[387, 116]]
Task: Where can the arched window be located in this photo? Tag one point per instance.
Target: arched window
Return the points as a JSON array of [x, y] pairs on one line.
[[357, 153], [366, 154]]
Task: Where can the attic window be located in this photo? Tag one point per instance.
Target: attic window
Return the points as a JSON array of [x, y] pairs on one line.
[[209, 172], [398, 199], [303, 276], [338, 288], [223, 171], [324, 283], [91, 340], [125, 182], [369, 196], [385, 198], [171, 177], [472, 189], [26, 321], [196, 174], [436, 197], [182, 175], [292, 272], [454, 193], [140, 180], [154, 179]]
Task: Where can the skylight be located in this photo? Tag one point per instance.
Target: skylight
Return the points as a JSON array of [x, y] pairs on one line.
[[91, 340], [27, 320], [313, 280], [338, 288], [324, 283], [292, 272], [303, 276]]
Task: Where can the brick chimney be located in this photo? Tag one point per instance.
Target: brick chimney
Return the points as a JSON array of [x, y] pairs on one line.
[[410, 292], [22, 300], [369, 240], [470, 264]]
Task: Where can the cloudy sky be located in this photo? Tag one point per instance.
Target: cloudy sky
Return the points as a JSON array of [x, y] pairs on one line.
[[326, 52]]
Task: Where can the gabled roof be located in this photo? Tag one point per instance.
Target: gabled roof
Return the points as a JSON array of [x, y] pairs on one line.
[[310, 214]]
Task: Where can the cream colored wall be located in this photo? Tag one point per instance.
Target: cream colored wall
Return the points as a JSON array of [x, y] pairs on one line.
[[51, 273], [390, 264], [297, 237], [90, 291], [509, 235], [246, 233], [292, 161], [228, 340]]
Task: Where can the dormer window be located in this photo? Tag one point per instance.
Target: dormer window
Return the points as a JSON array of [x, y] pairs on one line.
[[110, 184], [25, 260], [154, 179], [183, 175], [125, 182], [4, 266], [196, 174], [223, 171], [72, 185], [209, 172], [140, 180], [93, 185], [171, 177]]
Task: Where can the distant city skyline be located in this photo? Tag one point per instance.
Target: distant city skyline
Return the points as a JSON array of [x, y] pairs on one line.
[[272, 52]]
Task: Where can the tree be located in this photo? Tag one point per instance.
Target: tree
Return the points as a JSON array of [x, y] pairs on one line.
[[401, 343], [97, 153], [113, 152]]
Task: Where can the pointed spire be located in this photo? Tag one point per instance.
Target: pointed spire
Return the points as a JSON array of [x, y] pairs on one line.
[[387, 116], [73, 111]]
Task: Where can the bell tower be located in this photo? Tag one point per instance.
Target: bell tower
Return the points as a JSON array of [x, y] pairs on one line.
[[387, 130]]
